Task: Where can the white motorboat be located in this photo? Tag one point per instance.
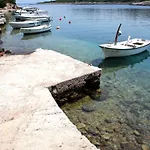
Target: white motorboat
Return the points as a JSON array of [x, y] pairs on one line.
[[28, 8], [124, 48], [37, 29], [24, 24], [41, 19], [34, 16], [23, 14]]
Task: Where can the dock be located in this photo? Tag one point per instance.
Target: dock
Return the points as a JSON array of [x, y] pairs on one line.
[[30, 118]]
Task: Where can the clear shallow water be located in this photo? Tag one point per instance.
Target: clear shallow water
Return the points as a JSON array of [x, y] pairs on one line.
[[121, 117], [90, 26]]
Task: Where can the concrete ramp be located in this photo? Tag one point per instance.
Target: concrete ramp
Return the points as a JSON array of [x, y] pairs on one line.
[[30, 119]]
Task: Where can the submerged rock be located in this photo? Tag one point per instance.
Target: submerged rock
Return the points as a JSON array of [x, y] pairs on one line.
[[145, 147], [80, 125], [103, 95], [106, 136], [108, 120], [139, 140], [88, 107], [135, 132], [128, 146], [92, 131]]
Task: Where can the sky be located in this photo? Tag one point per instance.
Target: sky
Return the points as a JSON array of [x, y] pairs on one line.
[[28, 1]]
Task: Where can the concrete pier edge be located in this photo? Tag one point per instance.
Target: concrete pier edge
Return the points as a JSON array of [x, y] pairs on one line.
[[30, 118]]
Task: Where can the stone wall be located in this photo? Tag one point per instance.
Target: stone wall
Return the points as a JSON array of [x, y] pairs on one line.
[[74, 89]]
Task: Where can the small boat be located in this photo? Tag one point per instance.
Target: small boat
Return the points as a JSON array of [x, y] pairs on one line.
[[34, 16], [26, 15], [37, 29], [41, 19], [124, 48], [25, 24]]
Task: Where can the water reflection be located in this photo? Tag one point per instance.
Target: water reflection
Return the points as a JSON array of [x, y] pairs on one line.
[[132, 12], [33, 36], [120, 62]]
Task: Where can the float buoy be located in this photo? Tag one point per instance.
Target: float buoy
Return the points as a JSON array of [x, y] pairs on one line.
[[69, 22], [60, 18], [58, 27], [64, 16]]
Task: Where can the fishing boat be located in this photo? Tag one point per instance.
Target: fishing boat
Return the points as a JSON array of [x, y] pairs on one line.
[[37, 29], [25, 24], [124, 48]]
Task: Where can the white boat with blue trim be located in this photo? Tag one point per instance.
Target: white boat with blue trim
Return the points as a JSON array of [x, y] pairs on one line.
[[124, 48]]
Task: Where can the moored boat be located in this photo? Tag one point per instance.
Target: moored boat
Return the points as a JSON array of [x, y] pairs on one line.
[[32, 15], [37, 29], [41, 19], [24, 24], [124, 48]]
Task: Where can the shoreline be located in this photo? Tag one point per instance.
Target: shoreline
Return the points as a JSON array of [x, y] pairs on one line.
[[8, 8], [144, 3], [87, 3]]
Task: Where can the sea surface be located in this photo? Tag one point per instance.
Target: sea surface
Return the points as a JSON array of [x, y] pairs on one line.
[[118, 118]]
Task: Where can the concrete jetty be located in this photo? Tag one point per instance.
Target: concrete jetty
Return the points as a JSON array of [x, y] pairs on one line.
[[30, 118]]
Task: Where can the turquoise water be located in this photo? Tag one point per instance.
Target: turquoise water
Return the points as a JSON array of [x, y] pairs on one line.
[[90, 26], [121, 119]]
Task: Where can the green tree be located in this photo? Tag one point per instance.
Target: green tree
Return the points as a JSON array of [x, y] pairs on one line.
[[4, 2], [11, 1]]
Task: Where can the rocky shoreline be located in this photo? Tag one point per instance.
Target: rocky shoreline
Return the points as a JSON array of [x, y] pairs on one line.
[[8, 8], [144, 3]]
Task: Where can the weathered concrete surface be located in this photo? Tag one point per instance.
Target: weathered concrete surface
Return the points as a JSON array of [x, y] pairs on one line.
[[30, 119]]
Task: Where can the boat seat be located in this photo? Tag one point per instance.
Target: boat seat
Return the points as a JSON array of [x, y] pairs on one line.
[[130, 45]]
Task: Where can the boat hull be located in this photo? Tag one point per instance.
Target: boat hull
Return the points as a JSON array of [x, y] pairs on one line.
[[27, 17], [33, 30], [17, 25], [121, 53]]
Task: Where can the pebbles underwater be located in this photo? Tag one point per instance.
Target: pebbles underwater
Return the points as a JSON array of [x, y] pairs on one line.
[[116, 117]]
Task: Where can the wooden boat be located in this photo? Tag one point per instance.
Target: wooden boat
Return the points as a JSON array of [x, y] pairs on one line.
[[124, 48], [25, 24], [37, 29]]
